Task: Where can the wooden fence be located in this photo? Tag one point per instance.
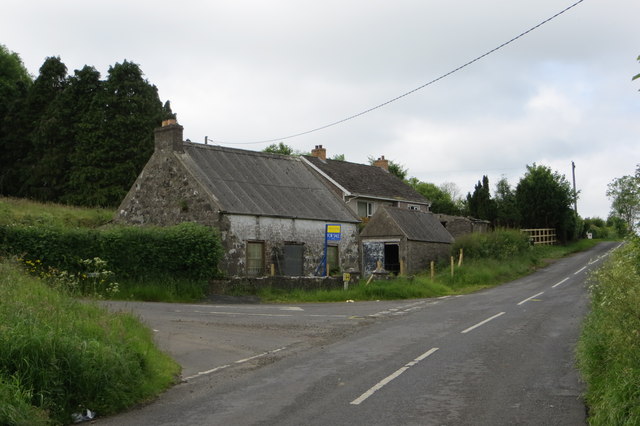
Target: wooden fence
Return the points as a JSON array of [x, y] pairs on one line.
[[544, 236]]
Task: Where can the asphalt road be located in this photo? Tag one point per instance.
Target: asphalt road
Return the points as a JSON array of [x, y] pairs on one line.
[[502, 356]]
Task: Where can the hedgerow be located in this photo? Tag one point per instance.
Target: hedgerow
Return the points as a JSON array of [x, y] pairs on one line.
[[187, 250]]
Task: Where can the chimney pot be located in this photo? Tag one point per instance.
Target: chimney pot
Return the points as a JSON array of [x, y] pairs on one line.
[[319, 152], [382, 163]]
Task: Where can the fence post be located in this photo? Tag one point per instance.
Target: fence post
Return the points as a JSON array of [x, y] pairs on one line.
[[452, 263], [433, 270], [460, 258]]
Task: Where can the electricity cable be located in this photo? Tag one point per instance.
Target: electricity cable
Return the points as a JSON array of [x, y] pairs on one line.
[[435, 80]]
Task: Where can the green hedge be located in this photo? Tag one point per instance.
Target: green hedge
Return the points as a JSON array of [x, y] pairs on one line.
[[499, 244], [187, 250]]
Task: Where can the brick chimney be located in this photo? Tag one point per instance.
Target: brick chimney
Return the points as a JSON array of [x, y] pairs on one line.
[[169, 136], [319, 152], [382, 163]]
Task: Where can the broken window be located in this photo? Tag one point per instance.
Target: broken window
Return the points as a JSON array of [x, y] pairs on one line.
[[255, 258]]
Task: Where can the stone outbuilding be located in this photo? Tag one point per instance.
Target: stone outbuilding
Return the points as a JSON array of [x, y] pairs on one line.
[[404, 241], [271, 210], [459, 225]]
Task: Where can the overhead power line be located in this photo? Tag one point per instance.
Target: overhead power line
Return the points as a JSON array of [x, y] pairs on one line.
[[429, 83]]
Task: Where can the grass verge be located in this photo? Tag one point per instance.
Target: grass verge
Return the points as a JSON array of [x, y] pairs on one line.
[[609, 347], [59, 355], [473, 275]]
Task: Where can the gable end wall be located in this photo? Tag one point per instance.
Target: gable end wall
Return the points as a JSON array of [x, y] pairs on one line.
[[166, 194]]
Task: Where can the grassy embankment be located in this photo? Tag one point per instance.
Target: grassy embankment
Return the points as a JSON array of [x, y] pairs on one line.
[[609, 347], [59, 356]]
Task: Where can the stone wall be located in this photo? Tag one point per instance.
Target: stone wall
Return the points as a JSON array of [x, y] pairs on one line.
[[420, 254], [165, 194]]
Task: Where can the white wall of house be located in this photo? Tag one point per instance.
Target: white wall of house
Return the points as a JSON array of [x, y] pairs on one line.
[[275, 232]]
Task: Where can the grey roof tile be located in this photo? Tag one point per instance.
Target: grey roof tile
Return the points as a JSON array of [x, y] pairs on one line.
[[257, 183], [364, 180]]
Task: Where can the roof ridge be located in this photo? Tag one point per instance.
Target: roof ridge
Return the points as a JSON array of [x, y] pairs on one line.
[[240, 151]]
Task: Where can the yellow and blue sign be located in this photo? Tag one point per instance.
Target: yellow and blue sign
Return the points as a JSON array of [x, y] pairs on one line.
[[333, 232]]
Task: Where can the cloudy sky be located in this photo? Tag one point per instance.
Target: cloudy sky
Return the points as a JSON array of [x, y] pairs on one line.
[[243, 71]]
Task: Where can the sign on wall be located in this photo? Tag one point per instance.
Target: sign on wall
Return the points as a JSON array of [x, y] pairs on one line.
[[333, 232]]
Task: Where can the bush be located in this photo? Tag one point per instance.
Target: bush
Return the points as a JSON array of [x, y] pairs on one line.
[[62, 356], [186, 250], [499, 244], [609, 347]]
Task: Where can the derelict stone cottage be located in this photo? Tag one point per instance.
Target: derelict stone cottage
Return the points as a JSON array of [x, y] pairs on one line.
[[271, 210], [404, 241]]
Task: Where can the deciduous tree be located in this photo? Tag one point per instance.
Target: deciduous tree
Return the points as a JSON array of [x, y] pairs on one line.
[[545, 200], [624, 193]]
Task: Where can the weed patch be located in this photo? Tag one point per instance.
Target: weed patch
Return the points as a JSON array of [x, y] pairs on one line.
[[609, 347], [59, 356]]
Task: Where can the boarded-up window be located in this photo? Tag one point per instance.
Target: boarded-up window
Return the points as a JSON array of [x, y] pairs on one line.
[[293, 259], [333, 259], [255, 258]]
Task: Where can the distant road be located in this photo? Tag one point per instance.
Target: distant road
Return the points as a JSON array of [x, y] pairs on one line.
[[503, 356]]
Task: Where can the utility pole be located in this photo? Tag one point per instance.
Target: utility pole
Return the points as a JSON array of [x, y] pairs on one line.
[[575, 194]]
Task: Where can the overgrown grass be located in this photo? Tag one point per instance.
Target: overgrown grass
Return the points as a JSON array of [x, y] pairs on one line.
[[167, 289], [473, 275], [59, 355], [20, 211], [609, 347]]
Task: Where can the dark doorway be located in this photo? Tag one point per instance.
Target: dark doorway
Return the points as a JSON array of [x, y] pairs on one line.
[[392, 258], [293, 259]]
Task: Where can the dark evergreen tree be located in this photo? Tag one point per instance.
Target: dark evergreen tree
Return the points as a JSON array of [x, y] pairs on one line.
[[479, 204], [42, 130], [15, 82], [116, 137]]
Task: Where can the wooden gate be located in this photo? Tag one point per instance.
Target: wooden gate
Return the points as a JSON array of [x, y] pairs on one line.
[[544, 236]]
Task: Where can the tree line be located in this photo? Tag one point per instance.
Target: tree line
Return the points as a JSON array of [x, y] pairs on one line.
[[74, 138]]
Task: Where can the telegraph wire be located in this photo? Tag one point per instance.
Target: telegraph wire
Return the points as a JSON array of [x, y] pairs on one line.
[[429, 83]]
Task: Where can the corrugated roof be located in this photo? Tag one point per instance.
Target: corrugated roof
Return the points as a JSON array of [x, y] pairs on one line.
[[364, 180], [415, 225], [257, 183]]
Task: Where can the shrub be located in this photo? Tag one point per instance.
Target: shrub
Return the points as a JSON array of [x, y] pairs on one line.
[[499, 244]]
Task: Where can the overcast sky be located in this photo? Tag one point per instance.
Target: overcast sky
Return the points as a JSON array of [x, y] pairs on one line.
[[243, 71]]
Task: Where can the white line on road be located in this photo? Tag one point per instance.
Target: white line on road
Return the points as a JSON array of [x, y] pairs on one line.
[[391, 377], [529, 298], [482, 323], [557, 284], [240, 361], [579, 270]]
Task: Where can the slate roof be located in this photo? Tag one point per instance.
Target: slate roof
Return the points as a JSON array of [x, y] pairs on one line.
[[415, 225], [257, 183], [364, 180]]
